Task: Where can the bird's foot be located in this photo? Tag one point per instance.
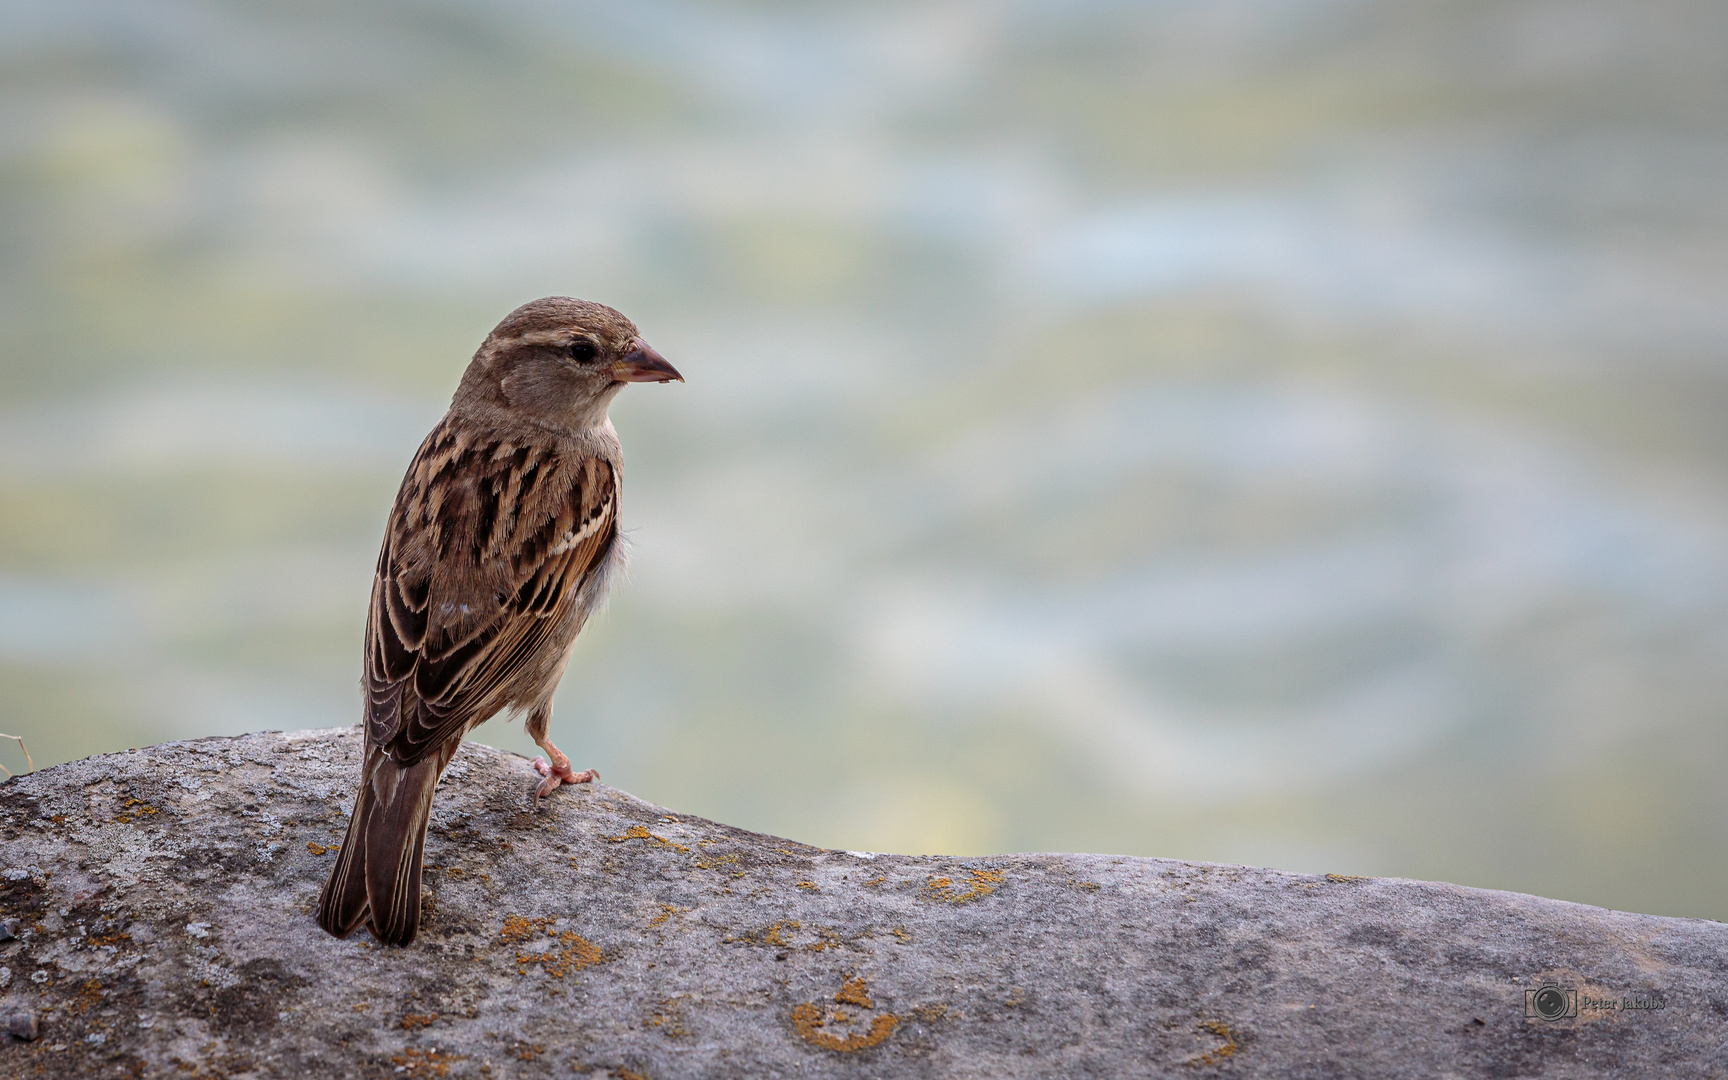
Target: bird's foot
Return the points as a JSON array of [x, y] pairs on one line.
[[557, 772]]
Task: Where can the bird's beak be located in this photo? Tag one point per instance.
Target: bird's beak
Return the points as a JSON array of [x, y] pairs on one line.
[[643, 364]]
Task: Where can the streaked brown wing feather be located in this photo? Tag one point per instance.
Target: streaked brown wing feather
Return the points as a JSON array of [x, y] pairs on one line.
[[488, 544]]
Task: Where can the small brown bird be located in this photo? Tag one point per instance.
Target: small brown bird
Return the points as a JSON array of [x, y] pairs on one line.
[[503, 539]]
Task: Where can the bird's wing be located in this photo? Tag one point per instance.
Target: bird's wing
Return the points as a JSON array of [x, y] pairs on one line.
[[487, 547]]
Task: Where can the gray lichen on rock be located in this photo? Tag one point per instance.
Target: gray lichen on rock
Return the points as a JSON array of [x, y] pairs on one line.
[[163, 902]]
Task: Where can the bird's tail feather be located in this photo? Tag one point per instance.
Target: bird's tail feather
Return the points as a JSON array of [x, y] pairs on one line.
[[376, 880], [343, 905]]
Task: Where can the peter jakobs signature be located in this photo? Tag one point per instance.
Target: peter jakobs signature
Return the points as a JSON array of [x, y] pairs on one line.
[[1552, 1001], [1626, 1003]]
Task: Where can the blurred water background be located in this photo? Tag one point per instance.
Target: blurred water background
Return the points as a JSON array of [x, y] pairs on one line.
[[1288, 432]]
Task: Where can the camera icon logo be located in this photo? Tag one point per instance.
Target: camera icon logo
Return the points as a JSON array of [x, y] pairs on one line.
[[1551, 1001]]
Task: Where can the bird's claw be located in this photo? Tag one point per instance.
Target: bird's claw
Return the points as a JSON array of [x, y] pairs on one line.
[[557, 774]]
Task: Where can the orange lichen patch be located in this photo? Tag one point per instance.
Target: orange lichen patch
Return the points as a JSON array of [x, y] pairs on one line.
[[666, 912], [528, 1051], [89, 994], [517, 928], [984, 883], [417, 1063], [930, 1014], [97, 941], [852, 992], [807, 885], [669, 1018], [903, 934], [829, 938], [1344, 877], [621, 1073], [576, 952], [776, 934], [640, 832], [876, 880], [1214, 1057], [321, 849], [410, 1021], [1088, 886], [809, 1019], [128, 813], [714, 862]]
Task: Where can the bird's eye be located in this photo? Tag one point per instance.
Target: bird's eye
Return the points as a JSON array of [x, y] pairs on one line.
[[582, 350]]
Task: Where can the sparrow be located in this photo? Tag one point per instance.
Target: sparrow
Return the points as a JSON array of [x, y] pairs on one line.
[[502, 541]]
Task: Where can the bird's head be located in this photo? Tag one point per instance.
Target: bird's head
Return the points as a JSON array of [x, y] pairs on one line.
[[559, 361]]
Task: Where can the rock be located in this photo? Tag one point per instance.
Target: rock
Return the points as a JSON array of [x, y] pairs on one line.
[[165, 899], [22, 1025]]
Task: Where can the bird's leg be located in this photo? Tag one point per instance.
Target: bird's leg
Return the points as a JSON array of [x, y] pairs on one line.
[[555, 766]]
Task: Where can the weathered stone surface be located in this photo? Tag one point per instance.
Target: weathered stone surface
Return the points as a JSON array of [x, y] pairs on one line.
[[165, 897]]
